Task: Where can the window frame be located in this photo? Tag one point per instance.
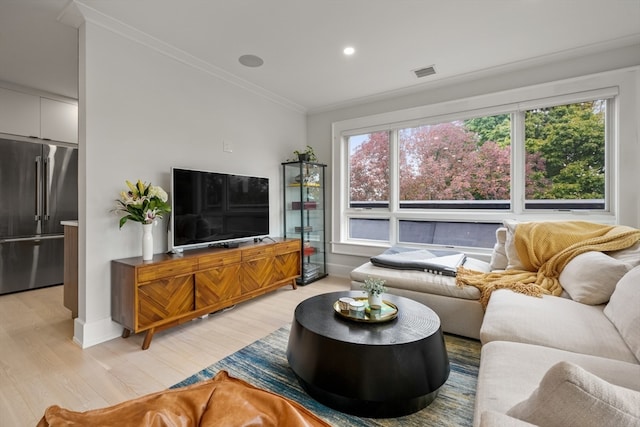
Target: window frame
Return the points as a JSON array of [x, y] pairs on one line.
[[514, 102]]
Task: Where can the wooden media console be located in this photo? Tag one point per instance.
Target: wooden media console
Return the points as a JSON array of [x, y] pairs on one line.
[[172, 289]]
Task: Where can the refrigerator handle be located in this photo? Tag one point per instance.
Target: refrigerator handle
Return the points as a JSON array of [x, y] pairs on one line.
[[38, 188], [45, 189], [36, 239]]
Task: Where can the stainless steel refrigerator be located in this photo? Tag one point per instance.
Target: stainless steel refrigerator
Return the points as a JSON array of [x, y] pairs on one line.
[[38, 189]]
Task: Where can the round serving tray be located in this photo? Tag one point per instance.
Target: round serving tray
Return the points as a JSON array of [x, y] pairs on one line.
[[389, 312]]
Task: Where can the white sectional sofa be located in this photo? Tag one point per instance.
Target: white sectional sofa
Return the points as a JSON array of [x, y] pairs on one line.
[[524, 337], [572, 359]]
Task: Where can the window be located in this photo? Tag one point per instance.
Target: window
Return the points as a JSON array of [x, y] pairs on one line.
[[461, 164], [449, 174], [369, 170], [565, 156], [448, 233]]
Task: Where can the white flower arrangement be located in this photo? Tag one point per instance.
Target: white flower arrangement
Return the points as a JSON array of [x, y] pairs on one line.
[[374, 286], [143, 203]]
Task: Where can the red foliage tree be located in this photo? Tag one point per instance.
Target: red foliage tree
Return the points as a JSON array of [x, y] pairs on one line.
[[445, 162], [369, 169]]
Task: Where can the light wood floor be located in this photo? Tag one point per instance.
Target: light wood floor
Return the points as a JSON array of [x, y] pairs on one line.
[[41, 366]]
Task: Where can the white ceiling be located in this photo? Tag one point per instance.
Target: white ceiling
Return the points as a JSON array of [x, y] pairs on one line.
[[301, 41]]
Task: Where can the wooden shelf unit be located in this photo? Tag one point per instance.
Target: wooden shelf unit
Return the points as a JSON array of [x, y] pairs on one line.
[[172, 289]]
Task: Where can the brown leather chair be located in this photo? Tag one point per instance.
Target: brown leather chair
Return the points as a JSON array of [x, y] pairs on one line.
[[220, 401]]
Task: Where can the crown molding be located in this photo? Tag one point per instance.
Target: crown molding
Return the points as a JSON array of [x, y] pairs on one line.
[[77, 13]]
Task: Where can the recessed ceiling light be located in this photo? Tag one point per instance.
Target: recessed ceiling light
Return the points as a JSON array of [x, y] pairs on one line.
[[251, 61], [349, 51]]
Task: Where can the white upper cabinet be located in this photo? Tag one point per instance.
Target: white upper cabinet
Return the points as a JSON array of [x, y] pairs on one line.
[[58, 120], [35, 116], [19, 113]]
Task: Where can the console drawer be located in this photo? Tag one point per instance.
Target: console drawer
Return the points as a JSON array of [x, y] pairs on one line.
[[172, 268], [257, 253], [219, 259]]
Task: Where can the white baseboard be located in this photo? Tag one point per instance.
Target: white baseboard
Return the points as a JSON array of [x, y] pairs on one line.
[[89, 334]]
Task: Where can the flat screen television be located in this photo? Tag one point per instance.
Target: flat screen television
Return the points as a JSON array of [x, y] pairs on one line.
[[211, 208]]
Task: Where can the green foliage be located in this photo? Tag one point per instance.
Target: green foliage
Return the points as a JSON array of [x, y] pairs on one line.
[[577, 181], [308, 151], [570, 139], [491, 128]]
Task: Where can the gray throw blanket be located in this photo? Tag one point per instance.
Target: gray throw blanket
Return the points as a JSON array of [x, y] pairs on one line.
[[441, 262]]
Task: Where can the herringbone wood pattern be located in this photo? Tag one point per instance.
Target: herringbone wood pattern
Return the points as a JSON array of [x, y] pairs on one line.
[[163, 299], [216, 285], [286, 265], [256, 273]]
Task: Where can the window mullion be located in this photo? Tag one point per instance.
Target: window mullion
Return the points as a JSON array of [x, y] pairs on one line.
[[518, 162], [610, 154], [342, 225], [394, 185]]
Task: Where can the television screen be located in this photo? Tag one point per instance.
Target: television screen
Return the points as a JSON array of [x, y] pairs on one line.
[[210, 208]]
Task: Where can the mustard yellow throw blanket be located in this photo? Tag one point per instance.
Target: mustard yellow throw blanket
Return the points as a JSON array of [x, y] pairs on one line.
[[545, 248]]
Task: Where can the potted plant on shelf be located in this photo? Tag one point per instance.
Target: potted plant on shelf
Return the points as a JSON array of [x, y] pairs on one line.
[[308, 155], [374, 288]]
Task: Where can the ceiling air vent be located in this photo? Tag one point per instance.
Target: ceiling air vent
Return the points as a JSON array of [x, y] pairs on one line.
[[426, 71]]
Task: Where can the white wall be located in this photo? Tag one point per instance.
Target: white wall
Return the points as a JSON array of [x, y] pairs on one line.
[[143, 112], [522, 75]]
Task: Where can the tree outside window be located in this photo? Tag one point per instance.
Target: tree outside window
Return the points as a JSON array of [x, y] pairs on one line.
[[569, 140], [470, 160]]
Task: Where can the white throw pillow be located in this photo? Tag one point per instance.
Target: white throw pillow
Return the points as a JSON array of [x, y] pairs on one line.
[[570, 396], [513, 259], [624, 309], [591, 277], [499, 260]]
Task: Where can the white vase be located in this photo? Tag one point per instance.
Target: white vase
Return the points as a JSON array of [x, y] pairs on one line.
[[375, 299], [147, 242]]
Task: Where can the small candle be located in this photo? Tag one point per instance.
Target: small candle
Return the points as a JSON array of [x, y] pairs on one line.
[[344, 302], [356, 309], [375, 311]]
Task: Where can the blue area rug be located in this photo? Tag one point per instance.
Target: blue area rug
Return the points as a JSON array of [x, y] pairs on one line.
[[264, 364]]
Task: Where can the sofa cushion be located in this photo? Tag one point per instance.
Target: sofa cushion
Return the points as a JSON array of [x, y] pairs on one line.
[[510, 372], [591, 277], [553, 322], [630, 256], [624, 309], [421, 281], [498, 419], [221, 401], [570, 396]]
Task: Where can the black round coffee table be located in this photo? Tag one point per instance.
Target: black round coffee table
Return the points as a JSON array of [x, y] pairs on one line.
[[377, 370]]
